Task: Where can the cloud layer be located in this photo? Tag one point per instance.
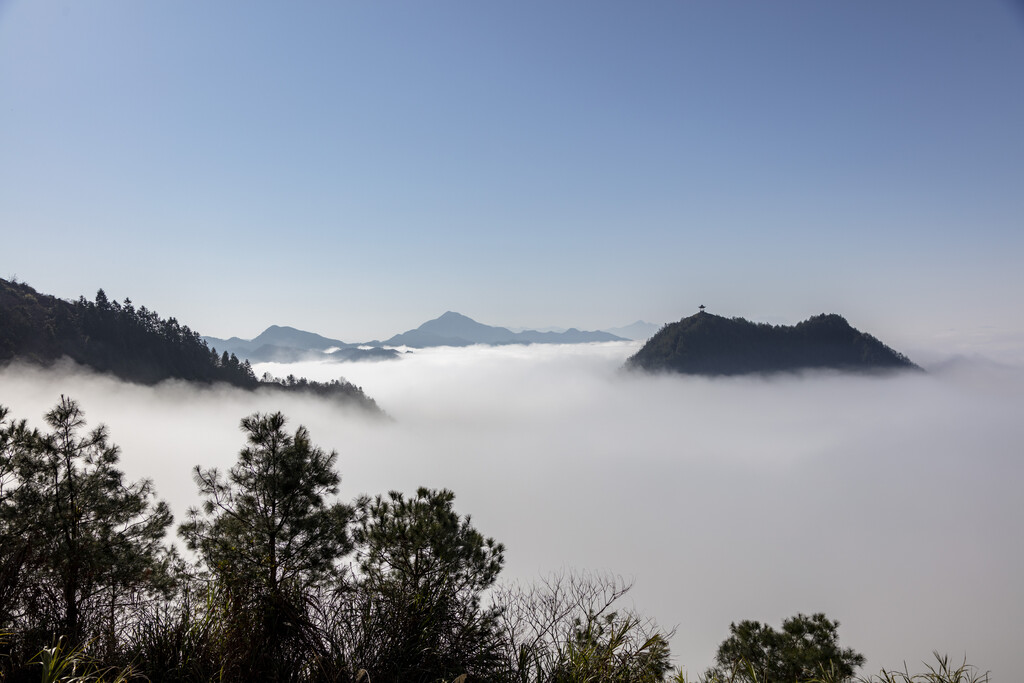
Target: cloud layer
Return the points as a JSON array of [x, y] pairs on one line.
[[890, 504]]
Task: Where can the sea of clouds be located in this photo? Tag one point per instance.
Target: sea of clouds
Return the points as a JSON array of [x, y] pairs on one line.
[[891, 504]]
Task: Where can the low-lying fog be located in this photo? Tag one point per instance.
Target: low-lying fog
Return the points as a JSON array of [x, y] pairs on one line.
[[892, 505]]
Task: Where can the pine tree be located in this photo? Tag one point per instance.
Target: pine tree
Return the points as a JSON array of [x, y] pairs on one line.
[[268, 536], [417, 603], [805, 648], [96, 540]]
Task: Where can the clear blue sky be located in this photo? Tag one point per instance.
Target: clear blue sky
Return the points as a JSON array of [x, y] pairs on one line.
[[355, 168]]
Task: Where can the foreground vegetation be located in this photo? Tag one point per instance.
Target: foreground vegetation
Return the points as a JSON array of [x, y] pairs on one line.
[[284, 582]]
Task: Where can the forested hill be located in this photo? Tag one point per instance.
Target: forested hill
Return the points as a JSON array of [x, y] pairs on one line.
[[133, 344], [706, 344]]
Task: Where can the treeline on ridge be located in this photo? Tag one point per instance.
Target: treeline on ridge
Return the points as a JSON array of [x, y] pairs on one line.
[[132, 344], [284, 582]]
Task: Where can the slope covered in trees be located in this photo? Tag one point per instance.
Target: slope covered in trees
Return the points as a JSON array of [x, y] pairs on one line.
[[135, 345], [110, 337], [706, 344]]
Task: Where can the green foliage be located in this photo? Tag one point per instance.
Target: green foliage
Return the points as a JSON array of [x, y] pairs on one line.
[[89, 543], [15, 540], [180, 639], [413, 611], [805, 648], [269, 521], [943, 671], [59, 662], [268, 536], [567, 628], [607, 651], [63, 664]]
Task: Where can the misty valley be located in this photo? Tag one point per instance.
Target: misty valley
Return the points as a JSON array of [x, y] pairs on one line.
[[498, 511], [511, 342]]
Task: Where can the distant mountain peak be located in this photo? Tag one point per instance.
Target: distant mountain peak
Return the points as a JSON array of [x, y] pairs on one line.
[[285, 344], [451, 328], [456, 329]]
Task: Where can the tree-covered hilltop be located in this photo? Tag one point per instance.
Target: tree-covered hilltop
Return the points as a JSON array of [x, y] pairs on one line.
[[136, 345], [133, 344], [706, 344]]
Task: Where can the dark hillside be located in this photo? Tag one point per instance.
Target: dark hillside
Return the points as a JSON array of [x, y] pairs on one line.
[[135, 345], [706, 344]]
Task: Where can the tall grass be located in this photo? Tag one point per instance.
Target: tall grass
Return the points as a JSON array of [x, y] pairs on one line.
[[62, 663], [592, 660], [941, 671]]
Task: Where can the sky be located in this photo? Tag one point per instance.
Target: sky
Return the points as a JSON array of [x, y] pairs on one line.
[[890, 504], [357, 168]]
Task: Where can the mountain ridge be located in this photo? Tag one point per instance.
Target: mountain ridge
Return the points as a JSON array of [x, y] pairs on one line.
[[284, 344], [280, 343], [456, 329]]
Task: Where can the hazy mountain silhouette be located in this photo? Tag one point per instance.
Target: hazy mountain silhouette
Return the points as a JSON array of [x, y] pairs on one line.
[[638, 331], [287, 344], [706, 344], [282, 344], [289, 336], [455, 329]]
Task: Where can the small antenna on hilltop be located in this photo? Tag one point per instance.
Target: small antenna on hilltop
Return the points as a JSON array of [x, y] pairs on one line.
[[701, 307]]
